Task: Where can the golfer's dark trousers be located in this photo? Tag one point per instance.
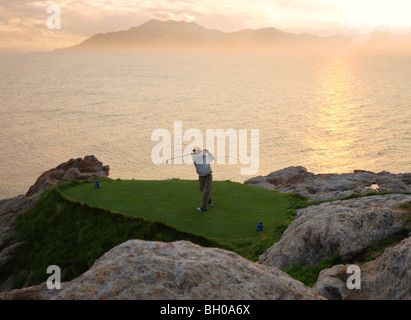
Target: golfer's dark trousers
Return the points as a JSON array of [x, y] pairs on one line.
[[205, 188]]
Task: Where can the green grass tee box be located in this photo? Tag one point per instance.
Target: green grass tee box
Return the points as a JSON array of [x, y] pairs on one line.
[[238, 207]]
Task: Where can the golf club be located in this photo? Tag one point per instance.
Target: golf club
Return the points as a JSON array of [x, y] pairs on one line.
[[184, 155]]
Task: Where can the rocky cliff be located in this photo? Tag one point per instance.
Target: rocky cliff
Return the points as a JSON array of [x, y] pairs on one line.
[[10, 209], [140, 269], [346, 227]]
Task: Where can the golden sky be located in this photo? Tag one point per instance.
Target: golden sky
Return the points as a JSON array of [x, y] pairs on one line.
[[23, 22]]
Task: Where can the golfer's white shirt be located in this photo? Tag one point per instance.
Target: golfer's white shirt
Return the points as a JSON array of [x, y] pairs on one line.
[[202, 162]]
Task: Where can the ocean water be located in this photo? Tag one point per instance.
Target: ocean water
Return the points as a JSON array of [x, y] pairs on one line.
[[328, 113]]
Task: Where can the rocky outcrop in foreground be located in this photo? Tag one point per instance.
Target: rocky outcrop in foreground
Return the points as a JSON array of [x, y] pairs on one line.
[[139, 269], [10, 209], [343, 226], [331, 186], [386, 278]]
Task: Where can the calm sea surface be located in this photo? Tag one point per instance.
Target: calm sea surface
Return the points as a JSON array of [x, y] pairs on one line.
[[330, 114]]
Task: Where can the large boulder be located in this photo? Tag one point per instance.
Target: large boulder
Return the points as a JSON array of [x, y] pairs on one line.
[[388, 277], [343, 226], [331, 186], [139, 269]]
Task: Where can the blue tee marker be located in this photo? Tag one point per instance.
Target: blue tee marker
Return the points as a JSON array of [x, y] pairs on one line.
[[97, 185], [260, 226]]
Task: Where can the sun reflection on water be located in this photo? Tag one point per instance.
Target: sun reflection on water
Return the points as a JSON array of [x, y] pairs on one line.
[[334, 134]]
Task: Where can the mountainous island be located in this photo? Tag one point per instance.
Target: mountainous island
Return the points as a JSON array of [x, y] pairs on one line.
[[155, 34]]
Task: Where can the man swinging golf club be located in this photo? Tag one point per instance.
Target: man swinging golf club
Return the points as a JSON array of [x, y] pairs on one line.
[[202, 160]]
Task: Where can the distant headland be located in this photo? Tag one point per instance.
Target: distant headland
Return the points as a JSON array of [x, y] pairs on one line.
[[155, 34]]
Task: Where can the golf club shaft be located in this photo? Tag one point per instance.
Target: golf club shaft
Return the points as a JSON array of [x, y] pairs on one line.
[[184, 155]]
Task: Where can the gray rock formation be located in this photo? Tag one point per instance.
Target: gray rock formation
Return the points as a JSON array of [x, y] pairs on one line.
[[343, 226], [386, 278], [11, 209], [74, 169], [331, 186], [139, 269]]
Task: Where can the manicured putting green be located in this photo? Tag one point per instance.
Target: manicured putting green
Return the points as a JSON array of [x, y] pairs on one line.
[[238, 207]]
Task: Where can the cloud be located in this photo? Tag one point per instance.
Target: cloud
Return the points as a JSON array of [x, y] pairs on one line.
[[181, 16]]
